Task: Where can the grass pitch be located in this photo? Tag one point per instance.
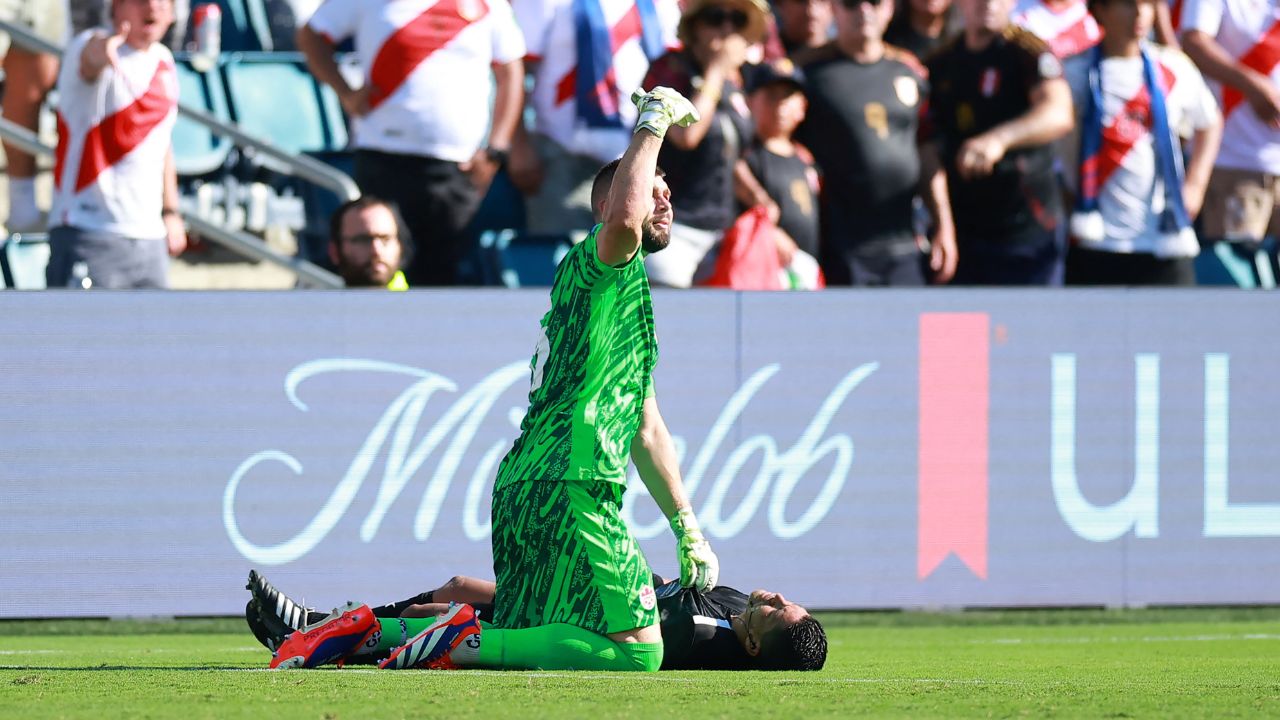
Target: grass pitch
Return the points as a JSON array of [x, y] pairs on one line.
[[1095, 664]]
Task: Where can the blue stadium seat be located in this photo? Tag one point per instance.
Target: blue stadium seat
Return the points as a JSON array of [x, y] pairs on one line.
[[274, 23], [1246, 265], [22, 261], [196, 150], [519, 259], [273, 96]]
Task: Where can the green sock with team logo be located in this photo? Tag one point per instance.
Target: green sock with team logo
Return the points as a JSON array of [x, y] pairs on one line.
[[561, 647], [392, 633]]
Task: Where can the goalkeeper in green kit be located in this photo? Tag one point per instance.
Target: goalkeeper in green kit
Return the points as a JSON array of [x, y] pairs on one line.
[[573, 590]]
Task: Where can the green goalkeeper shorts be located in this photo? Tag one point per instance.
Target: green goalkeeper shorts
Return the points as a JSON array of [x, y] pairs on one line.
[[562, 554]]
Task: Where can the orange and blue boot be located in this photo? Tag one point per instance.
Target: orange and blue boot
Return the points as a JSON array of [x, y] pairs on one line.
[[454, 637], [331, 640]]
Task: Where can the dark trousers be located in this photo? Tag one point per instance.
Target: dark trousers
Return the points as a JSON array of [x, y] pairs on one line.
[[877, 270], [1098, 267], [1032, 256], [893, 260], [437, 201]]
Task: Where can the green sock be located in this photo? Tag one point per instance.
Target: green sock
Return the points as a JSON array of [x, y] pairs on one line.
[[394, 632], [563, 647]]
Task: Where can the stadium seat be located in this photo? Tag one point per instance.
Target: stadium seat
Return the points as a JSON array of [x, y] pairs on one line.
[[274, 97], [521, 260], [196, 150], [1246, 265], [274, 22], [22, 261], [320, 203]]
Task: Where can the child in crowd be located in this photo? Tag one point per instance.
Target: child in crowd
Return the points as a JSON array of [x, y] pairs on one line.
[[784, 168]]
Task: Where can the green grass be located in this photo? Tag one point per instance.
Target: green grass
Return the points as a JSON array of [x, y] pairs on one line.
[[1079, 663]]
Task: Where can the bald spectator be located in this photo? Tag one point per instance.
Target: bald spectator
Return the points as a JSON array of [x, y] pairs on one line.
[[424, 134]]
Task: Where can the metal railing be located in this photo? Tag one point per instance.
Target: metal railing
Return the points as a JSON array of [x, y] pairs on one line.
[[303, 167]]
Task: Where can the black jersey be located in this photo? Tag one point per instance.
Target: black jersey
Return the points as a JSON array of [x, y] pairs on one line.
[[696, 634], [701, 178], [974, 92], [792, 182], [862, 128]]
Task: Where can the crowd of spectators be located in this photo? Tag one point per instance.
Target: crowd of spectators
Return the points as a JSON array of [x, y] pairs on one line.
[[970, 142]]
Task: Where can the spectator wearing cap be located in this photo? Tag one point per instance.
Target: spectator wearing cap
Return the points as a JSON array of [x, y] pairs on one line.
[[369, 244], [784, 168], [865, 103], [704, 161], [586, 57]]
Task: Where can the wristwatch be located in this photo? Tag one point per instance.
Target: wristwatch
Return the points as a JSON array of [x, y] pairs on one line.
[[497, 155]]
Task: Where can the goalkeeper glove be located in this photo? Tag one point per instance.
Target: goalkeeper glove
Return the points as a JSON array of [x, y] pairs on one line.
[[699, 566], [662, 107]]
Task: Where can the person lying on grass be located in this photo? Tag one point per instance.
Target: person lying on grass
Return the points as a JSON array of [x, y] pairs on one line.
[[721, 629]]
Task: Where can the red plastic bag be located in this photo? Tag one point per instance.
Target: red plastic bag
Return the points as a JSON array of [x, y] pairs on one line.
[[748, 255]]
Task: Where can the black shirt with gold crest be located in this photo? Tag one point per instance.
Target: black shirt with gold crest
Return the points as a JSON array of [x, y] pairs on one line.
[[862, 129], [973, 92], [792, 182]]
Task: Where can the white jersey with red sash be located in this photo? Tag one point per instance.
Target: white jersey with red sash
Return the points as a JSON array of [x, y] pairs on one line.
[[1249, 30], [113, 135], [1131, 193], [428, 63], [550, 33], [1065, 25]]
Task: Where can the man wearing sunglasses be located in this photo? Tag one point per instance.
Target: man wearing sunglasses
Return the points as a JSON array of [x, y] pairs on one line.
[[865, 103]]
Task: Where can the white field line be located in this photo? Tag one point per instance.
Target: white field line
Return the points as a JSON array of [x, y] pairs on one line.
[[151, 651], [1121, 639], [668, 678]]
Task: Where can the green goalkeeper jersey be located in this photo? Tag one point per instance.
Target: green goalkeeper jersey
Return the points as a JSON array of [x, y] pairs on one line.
[[590, 373]]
